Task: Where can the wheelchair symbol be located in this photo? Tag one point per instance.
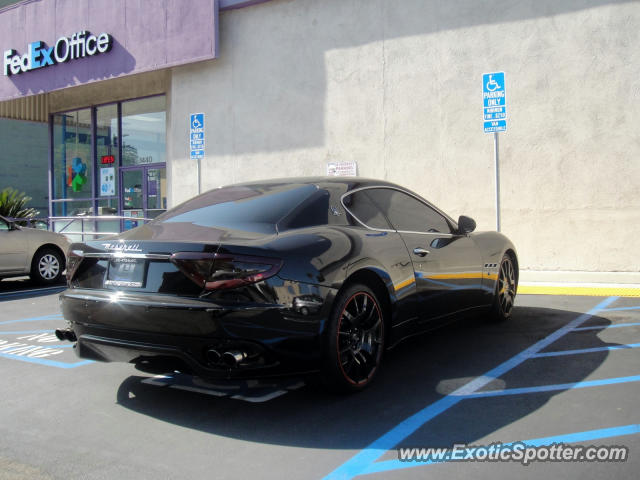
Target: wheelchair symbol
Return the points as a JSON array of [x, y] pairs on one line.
[[492, 85], [196, 123]]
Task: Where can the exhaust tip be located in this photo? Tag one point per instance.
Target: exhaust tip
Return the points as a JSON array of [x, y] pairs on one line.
[[233, 358], [65, 334], [213, 356]]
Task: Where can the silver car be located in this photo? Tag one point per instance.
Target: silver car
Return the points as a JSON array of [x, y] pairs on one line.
[[28, 251]]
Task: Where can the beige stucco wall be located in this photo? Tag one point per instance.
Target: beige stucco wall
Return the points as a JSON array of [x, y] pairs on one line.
[[396, 86]]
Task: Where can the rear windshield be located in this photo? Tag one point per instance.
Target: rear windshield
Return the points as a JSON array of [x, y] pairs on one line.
[[255, 208]]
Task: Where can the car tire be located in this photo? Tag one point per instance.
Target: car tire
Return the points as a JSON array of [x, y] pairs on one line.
[[505, 293], [47, 266], [355, 340]]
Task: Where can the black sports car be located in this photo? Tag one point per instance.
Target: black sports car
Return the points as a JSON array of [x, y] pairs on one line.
[[280, 277]]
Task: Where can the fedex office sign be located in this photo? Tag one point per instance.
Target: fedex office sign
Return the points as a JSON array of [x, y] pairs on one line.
[[39, 55]]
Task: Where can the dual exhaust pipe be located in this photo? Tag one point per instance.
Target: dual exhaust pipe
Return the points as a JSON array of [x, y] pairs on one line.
[[231, 358], [66, 334]]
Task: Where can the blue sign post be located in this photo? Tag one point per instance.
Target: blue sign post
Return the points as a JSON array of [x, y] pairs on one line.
[[196, 142], [494, 99], [495, 102]]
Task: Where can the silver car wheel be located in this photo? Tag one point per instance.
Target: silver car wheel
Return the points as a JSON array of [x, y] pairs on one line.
[[48, 266]]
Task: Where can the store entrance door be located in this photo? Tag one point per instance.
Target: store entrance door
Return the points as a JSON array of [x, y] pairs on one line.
[[144, 193]]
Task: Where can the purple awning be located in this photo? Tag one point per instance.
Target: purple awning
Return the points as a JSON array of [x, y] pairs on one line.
[[146, 35]]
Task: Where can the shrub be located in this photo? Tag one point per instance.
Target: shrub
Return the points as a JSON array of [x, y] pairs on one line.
[[13, 204]]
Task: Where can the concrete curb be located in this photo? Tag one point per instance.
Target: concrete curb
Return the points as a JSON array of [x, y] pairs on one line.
[[586, 289]]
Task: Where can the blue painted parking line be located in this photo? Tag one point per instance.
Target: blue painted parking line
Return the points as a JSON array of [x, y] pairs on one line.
[[54, 316], [26, 332], [44, 361], [365, 459], [551, 388], [45, 346], [577, 437], [38, 345], [602, 327], [586, 350], [30, 292], [44, 337], [619, 309]]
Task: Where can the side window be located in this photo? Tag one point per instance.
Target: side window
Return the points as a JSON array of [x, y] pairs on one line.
[[408, 214], [313, 211], [360, 205], [4, 227]]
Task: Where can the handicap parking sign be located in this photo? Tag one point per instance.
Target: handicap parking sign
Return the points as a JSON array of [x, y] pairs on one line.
[[494, 102], [196, 136]]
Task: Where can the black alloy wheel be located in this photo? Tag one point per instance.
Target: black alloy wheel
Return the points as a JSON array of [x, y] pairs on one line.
[[356, 340]]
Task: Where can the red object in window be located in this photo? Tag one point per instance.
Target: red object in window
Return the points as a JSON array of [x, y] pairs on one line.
[[107, 159]]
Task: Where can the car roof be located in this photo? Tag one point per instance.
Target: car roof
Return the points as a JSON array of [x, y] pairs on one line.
[[350, 183], [347, 183]]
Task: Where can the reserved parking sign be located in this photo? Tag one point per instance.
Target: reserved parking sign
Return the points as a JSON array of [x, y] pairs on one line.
[[494, 102]]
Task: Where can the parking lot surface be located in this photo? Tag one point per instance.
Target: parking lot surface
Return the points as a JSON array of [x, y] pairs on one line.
[[563, 370]]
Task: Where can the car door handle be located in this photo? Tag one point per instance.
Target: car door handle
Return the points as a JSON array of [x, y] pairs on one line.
[[421, 252]]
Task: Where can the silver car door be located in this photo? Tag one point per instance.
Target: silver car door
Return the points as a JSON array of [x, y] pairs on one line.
[[13, 249]]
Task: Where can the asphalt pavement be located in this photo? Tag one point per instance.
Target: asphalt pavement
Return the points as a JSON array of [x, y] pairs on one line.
[[564, 370]]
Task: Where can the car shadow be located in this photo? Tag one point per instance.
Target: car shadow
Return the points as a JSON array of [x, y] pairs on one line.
[[417, 373]]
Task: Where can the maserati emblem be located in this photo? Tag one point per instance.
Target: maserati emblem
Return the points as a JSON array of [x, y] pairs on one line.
[[122, 247]]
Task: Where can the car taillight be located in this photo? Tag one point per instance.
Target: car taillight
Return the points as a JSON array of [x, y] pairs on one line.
[[213, 271], [74, 259]]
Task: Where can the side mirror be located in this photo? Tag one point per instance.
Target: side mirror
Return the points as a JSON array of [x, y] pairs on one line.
[[466, 225]]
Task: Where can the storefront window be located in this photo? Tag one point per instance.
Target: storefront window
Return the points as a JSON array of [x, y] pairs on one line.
[[107, 208], [109, 161], [72, 158], [73, 208], [74, 229], [108, 158], [143, 131], [156, 191]]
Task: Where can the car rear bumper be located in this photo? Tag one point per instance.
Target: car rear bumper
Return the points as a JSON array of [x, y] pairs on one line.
[[166, 333]]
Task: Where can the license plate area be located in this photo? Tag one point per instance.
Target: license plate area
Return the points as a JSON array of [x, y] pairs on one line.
[[126, 272]]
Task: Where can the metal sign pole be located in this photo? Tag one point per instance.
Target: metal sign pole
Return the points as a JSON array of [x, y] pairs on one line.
[[199, 177], [497, 172], [495, 120]]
